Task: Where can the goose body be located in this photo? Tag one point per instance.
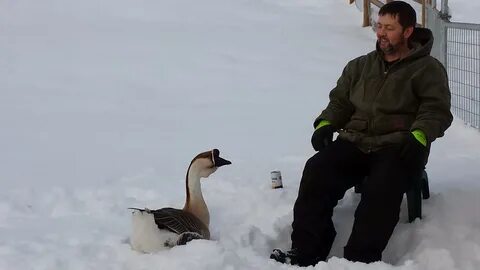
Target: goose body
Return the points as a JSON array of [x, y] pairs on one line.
[[154, 230]]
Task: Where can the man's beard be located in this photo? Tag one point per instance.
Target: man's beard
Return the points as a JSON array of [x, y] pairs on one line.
[[391, 48]]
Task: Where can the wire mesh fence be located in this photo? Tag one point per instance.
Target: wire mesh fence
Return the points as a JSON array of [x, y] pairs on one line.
[[457, 46], [463, 68]]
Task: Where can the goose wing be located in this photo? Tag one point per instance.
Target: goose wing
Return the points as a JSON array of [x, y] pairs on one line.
[[179, 221]]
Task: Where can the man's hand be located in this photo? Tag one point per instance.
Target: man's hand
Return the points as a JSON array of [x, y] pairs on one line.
[[414, 148], [322, 136]]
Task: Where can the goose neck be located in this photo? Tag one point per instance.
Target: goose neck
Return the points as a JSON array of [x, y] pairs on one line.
[[195, 203]]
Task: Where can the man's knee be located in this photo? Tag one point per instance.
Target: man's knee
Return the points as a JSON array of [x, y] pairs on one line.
[[385, 188], [376, 198], [316, 161]]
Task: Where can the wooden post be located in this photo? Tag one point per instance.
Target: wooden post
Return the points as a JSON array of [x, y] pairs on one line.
[[423, 13], [366, 13]]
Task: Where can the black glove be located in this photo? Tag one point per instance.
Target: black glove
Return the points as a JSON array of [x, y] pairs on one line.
[[413, 151], [322, 137]]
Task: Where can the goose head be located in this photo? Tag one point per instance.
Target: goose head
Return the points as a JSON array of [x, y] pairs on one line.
[[206, 163], [203, 165]]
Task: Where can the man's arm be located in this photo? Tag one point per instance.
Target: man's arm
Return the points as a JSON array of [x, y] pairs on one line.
[[431, 87], [340, 109]]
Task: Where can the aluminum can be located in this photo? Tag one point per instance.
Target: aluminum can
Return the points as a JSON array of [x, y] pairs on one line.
[[276, 177]]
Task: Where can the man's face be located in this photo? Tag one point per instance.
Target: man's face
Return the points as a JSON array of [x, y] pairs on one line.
[[391, 35]]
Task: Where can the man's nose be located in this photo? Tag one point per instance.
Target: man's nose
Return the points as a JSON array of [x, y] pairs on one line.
[[380, 32]]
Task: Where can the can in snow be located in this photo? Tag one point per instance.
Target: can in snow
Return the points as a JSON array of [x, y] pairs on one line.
[[276, 179]]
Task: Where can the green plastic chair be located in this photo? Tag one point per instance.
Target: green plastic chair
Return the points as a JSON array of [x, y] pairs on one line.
[[420, 190]]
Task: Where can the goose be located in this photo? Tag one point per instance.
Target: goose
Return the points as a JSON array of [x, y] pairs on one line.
[[155, 230]]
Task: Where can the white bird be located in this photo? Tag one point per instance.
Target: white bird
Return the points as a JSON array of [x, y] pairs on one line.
[[154, 230]]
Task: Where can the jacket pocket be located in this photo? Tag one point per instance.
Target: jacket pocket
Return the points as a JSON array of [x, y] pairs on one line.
[[357, 125], [391, 123]]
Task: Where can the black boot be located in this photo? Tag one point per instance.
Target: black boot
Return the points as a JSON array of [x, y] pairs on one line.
[[293, 257]]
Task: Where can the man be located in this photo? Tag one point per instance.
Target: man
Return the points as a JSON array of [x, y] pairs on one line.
[[388, 107]]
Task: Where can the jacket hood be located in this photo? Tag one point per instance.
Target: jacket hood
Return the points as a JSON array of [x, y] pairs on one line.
[[421, 41]]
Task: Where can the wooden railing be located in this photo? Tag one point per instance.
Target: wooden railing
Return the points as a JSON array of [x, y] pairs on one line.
[[378, 3]]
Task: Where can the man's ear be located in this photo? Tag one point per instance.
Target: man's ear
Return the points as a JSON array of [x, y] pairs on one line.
[[408, 32]]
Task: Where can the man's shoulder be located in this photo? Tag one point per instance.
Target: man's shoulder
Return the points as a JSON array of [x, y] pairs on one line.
[[372, 54], [431, 63], [434, 61], [361, 60]]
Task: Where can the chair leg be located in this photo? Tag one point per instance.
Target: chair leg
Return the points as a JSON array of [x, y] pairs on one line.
[[425, 187], [414, 200], [420, 189]]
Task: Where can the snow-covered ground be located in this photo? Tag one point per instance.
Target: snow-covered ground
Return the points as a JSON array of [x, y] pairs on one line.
[[104, 103], [464, 11]]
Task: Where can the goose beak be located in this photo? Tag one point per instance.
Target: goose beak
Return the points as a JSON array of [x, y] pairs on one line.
[[219, 162]]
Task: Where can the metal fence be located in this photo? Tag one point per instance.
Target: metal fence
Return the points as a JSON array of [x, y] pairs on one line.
[[457, 46]]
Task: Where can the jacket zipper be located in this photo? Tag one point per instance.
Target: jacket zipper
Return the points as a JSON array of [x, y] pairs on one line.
[[372, 123]]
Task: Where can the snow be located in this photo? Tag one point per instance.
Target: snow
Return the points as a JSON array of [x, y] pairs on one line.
[[104, 104], [464, 11]]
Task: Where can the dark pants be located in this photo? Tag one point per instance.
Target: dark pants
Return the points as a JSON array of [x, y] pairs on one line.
[[327, 176]]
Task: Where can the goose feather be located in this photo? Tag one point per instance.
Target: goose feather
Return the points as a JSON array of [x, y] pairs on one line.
[[178, 221]]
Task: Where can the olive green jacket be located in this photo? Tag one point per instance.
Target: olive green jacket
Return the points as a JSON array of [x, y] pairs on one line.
[[374, 107]]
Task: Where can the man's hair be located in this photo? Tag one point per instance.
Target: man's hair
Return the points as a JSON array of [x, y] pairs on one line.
[[406, 14]]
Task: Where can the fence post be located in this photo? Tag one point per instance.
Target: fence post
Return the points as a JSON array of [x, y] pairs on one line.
[[423, 13], [366, 13], [444, 13], [444, 17], [444, 44]]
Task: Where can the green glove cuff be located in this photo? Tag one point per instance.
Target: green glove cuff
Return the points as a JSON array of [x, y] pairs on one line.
[[322, 123], [420, 136]]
